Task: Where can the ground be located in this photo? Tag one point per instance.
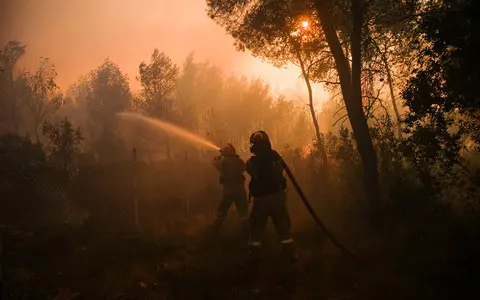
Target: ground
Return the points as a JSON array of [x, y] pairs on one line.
[[66, 263], [186, 263]]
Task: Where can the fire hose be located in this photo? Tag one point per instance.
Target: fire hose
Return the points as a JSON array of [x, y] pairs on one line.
[[314, 215]]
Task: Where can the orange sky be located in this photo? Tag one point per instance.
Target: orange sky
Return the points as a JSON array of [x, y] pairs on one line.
[[79, 34]]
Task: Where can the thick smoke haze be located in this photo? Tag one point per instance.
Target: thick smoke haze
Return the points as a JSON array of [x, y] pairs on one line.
[[130, 167], [79, 35]]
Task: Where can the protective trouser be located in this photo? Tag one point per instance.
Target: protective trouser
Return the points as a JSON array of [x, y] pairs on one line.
[[271, 206], [235, 195]]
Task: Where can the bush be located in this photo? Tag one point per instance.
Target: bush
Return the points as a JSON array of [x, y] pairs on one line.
[[21, 160]]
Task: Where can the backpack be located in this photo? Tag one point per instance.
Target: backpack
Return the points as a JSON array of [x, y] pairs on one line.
[[268, 177]]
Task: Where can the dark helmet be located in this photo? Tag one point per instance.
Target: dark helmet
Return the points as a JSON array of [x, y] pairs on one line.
[[260, 142], [258, 137], [228, 149]]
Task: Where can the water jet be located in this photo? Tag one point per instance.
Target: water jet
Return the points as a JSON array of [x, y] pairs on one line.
[[170, 129]]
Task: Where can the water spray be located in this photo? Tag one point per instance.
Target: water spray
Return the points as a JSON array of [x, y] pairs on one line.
[[170, 129], [313, 214]]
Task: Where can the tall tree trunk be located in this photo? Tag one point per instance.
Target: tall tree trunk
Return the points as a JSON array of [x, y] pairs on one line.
[[362, 133], [350, 82], [320, 143], [392, 94], [310, 96]]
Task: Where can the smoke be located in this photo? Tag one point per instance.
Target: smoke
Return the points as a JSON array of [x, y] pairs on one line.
[[79, 35]]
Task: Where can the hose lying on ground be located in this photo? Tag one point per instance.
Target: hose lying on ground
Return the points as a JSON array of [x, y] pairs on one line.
[[314, 215]]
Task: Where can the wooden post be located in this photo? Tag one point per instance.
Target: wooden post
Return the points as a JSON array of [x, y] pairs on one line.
[[135, 190], [187, 192], [2, 279], [1, 269]]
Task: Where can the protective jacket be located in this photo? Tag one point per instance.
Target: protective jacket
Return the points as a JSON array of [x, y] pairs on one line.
[[231, 168], [266, 171]]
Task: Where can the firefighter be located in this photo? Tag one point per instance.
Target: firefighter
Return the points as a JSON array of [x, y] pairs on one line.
[[268, 189], [231, 168]]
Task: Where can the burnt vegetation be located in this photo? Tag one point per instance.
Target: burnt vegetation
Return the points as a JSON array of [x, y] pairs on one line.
[[390, 163]]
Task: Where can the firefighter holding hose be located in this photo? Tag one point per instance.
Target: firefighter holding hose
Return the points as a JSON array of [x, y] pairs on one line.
[[268, 188], [231, 168]]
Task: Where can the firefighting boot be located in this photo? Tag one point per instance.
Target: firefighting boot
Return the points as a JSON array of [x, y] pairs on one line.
[[287, 274], [288, 251], [245, 229], [253, 269]]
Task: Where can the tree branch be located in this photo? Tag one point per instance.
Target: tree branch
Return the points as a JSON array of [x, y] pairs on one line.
[[326, 82], [344, 117], [338, 111]]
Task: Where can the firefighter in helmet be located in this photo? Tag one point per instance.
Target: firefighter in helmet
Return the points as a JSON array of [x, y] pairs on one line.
[[268, 188], [231, 168]]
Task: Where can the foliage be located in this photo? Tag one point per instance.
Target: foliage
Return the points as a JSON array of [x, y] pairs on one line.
[[63, 139], [11, 87], [443, 96], [21, 160], [107, 94], [287, 31], [10, 55], [158, 80], [45, 96]]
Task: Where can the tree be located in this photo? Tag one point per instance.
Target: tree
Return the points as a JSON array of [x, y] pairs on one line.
[[386, 49], [389, 49], [197, 90], [443, 96], [76, 102], [288, 124], [22, 162], [107, 94], [11, 100], [158, 80], [211, 101], [63, 140], [188, 104], [45, 96]]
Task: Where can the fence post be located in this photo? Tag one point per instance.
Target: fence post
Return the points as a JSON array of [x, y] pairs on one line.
[[2, 292], [135, 190], [187, 190]]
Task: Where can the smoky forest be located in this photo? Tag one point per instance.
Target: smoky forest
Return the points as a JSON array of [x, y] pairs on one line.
[[120, 186]]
